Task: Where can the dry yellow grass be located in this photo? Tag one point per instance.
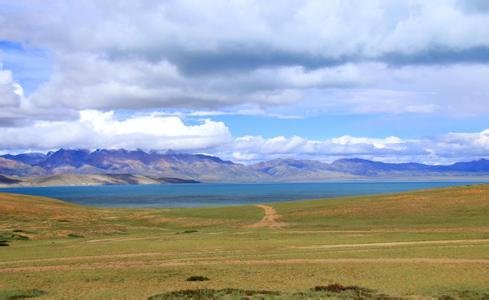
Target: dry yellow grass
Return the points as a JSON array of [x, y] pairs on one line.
[[419, 245]]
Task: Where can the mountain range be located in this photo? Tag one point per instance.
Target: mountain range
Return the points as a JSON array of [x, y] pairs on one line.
[[177, 167]]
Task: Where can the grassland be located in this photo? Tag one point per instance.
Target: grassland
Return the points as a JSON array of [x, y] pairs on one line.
[[427, 244]]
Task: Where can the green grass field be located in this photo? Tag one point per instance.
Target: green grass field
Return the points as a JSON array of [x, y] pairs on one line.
[[431, 244]]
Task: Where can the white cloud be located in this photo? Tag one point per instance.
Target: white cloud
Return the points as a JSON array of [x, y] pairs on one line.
[[326, 28], [258, 148], [88, 81], [284, 59], [429, 26], [449, 90], [451, 145], [16, 109], [10, 91], [447, 148], [96, 129], [222, 55]]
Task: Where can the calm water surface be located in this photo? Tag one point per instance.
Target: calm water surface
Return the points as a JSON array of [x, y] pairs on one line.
[[202, 195]]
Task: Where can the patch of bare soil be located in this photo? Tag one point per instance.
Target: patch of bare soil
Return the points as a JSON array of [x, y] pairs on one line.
[[271, 219]]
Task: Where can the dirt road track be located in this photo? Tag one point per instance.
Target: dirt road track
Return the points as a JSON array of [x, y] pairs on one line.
[[392, 244], [271, 219]]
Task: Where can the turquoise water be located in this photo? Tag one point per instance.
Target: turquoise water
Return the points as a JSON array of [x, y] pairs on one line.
[[203, 195]]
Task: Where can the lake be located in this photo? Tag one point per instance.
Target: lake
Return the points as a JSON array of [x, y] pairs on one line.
[[203, 195]]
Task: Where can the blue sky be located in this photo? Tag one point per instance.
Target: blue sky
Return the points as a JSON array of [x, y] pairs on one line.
[[248, 80], [31, 67], [378, 126]]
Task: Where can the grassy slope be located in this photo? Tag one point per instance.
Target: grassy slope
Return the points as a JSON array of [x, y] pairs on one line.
[[455, 207], [138, 253]]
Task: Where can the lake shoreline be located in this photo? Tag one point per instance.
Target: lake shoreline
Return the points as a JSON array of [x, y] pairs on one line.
[[222, 194]]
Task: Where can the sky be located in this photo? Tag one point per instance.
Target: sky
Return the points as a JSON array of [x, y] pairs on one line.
[[393, 81]]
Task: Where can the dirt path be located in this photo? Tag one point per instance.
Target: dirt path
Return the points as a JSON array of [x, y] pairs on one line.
[[85, 257], [392, 244], [120, 239], [163, 254], [176, 263], [271, 219], [163, 261]]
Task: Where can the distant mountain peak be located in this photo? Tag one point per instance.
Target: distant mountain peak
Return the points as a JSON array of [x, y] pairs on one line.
[[203, 167], [354, 159]]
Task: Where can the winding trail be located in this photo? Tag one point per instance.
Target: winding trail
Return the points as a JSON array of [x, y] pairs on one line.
[[271, 219]]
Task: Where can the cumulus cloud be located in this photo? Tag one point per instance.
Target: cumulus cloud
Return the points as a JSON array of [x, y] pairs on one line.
[[227, 35], [222, 55], [448, 90], [453, 145], [256, 148], [96, 129], [284, 59], [446, 148], [10, 91], [16, 109], [92, 82]]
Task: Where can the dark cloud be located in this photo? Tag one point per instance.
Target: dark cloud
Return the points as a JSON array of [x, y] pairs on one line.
[[236, 59], [474, 6], [233, 60], [440, 56]]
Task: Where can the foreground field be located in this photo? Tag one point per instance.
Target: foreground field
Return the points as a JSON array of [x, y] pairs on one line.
[[426, 244]]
